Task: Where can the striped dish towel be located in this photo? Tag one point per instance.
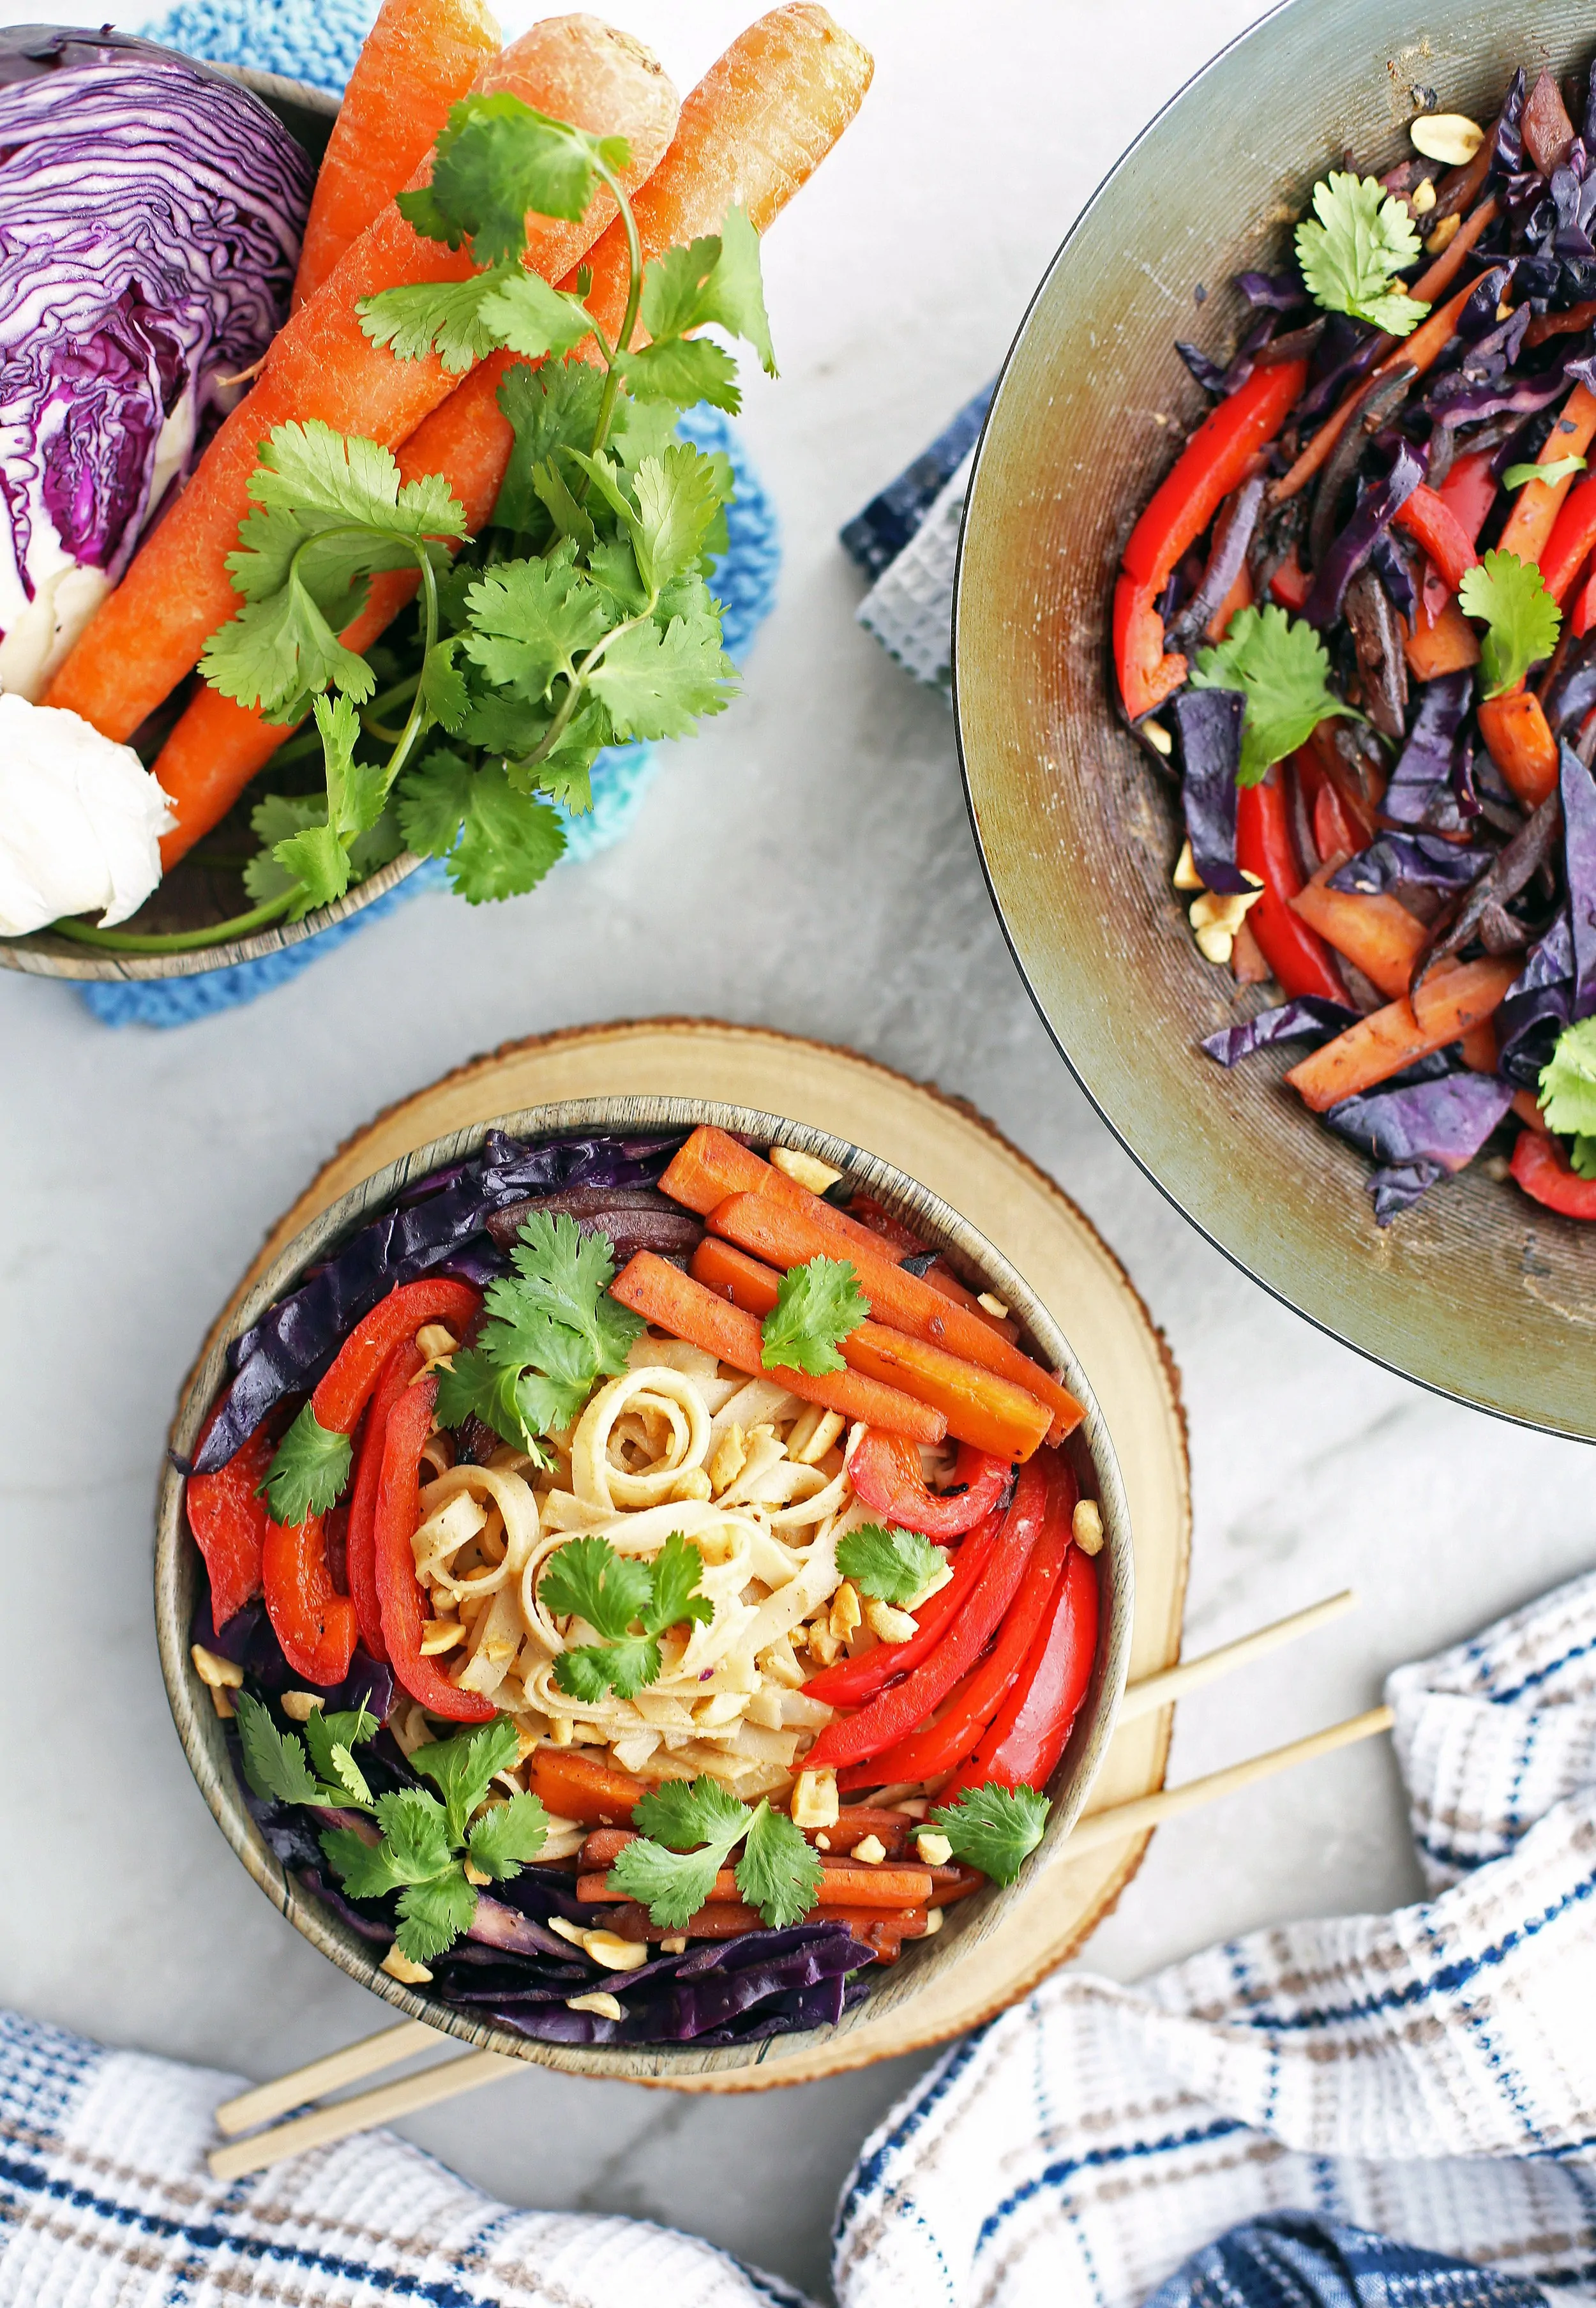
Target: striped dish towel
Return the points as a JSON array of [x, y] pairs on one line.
[[907, 540], [1430, 2075]]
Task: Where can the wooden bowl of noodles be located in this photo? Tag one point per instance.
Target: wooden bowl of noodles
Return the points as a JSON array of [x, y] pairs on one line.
[[1089, 1450]]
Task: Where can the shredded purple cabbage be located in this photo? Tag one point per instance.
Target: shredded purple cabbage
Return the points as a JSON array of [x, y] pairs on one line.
[[1578, 789], [1353, 545], [1420, 1130], [1540, 1003], [1429, 788], [1422, 861], [1208, 725], [1310, 1018], [1275, 292]]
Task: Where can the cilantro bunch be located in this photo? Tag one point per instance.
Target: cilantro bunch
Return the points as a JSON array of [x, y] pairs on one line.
[[628, 1602], [580, 619], [687, 1831], [427, 1841]]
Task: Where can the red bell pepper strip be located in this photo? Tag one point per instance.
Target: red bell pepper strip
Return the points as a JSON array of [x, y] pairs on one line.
[[1470, 491], [941, 1746], [1291, 583], [346, 1388], [1213, 462], [850, 1682], [314, 1623], [403, 1363], [228, 1520], [1428, 516], [885, 1473], [1573, 534], [905, 1706], [1299, 957], [398, 1590], [1544, 1172], [1583, 614], [1025, 1742]]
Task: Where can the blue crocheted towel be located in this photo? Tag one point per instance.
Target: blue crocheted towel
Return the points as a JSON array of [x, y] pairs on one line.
[[319, 43]]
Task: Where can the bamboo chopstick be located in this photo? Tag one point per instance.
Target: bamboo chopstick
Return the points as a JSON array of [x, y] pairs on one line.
[[364, 2113], [1189, 1675], [314, 2080]]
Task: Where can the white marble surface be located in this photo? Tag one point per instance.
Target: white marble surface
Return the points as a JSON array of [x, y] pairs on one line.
[[805, 865]]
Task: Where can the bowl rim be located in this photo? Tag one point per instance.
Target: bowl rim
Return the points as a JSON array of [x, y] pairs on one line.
[[200, 1731], [1055, 1035]]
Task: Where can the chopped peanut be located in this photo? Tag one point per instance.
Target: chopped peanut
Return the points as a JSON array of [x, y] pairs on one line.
[[437, 1343], [676, 1944], [1185, 875], [812, 1433], [1086, 1527], [806, 1168], [814, 1802], [398, 1965], [299, 1706], [846, 1615], [935, 1850], [220, 1701], [993, 1305], [440, 1635], [615, 1953], [933, 1922], [1157, 734], [694, 1484], [601, 2002], [475, 1875], [871, 1850], [1450, 137], [220, 1673], [729, 1456], [1444, 235], [885, 1624]]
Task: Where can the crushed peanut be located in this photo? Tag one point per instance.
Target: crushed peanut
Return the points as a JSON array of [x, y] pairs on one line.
[[437, 1343], [220, 1701], [615, 1953], [935, 1850], [219, 1674], [871, 1850], [601, 2001], [1450, 137], [846, 1615], [933, 1922], [694, 1483], [398, 1965], [1442, 237], [1422, 198], [885, 1624], [806, 1168], [808, 1448], [440, 1635], [814, 1800], [559, 1730], [993, 1305], [475, 1875], [1155, 733], [676, 1944], [729, 1458], [1086, 1527], [299, 1706], [566, 1929], [1185, 875]]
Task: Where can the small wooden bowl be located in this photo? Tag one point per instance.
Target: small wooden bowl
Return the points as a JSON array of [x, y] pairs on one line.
[[969, 1923], [193, 895]]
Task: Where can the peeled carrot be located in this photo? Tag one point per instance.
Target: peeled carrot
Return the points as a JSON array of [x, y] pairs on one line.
[[574, 1784], [671, 1300], [854, 1887], [151, 631], [1535, 509], [784, 1236], [419, 58], [1444, 643], [1378, 935], [1518, 738], [980, 1407], [755, 129], [1377, 1046]]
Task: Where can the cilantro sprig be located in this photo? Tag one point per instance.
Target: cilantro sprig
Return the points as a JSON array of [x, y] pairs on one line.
[[993, 1828], [1568, 1092], [308, 1470], [817, 1305], [894, 1565], [1522, 620], [688, 1829], [1358, 239], [1282, 668], [628, 1604], [426, 1840], [552, 1331]]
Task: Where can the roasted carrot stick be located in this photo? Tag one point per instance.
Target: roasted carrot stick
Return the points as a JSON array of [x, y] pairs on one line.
[[755, 129], [217, 745], [1378, 935], [850, 1887], [1444, 643], [671, 1300], [1377, 1046], [1518, 738], [574, 1784], [980, 1407], [418, 58], [151, 630], [784, 1236], [1535, 510]]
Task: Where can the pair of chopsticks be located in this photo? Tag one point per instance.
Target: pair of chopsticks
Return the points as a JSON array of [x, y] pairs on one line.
[[449, 2078]]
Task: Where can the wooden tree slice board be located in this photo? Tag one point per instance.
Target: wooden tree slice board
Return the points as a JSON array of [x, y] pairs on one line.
[[949, 1148]]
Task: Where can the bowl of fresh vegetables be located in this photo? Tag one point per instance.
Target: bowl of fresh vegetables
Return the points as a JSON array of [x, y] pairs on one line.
[[1274, 688], [390, 502], [643, 1585]]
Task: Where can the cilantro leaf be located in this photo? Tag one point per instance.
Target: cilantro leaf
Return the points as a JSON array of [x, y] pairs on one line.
[[1281, 668], [1363, 237], [529, 618], [715, 280], [415, 1838], [1568, 1083], [356, 790], [526, 315], [995, 1829], [507, 1838], [896, 1565], [498, 844], [659, 684], [677, 499], [1560, 469], [444, 696], [274, 1762], [587, 1580], [683, 1813], [817, 1305], [677, 1570], [474, 1388], [276, 818], [548, 486], [1582, 1155], [1521, 619], [454, 319], [625, 1667], [661, 1868], [548, 408], [365, 1869], [434, 1913], [308, 1470], [683, 371], [330, 1739], [778, 1873], [495, 160], [324, 479], [463, 1769], [277, 654], [566, 1274]]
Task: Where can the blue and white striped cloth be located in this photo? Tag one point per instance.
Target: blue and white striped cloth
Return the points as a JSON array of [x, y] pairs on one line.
[[1375, 2112], [1428, 2075]]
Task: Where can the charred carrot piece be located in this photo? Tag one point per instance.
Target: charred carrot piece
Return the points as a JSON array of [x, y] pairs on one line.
[[1535, 509], [419, 58], [1518, 738], [1378, 935], [1379, 1046], [1444, 643], [980, 1407], [845, 1886], [671, 1300], [574, 1784], [151, 631], [784, 1236]]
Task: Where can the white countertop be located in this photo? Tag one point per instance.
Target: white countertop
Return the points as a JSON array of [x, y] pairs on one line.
[[806, 864]]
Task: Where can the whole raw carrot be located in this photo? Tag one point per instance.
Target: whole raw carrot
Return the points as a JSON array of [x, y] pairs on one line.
[[1378, 935], [217, 747], [755, 128], [673, 1302], [151, 631], [419, 58], [1529, 526], [784, 1236], [1380, 1044], [980, 1407]]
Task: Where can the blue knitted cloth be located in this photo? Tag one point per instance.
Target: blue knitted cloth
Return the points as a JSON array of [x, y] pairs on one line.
[[317, 40]]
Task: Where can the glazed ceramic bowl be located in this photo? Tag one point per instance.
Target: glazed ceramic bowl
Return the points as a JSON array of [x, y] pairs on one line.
[[1477, 1292], [1090, 1450], [194, 895]]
